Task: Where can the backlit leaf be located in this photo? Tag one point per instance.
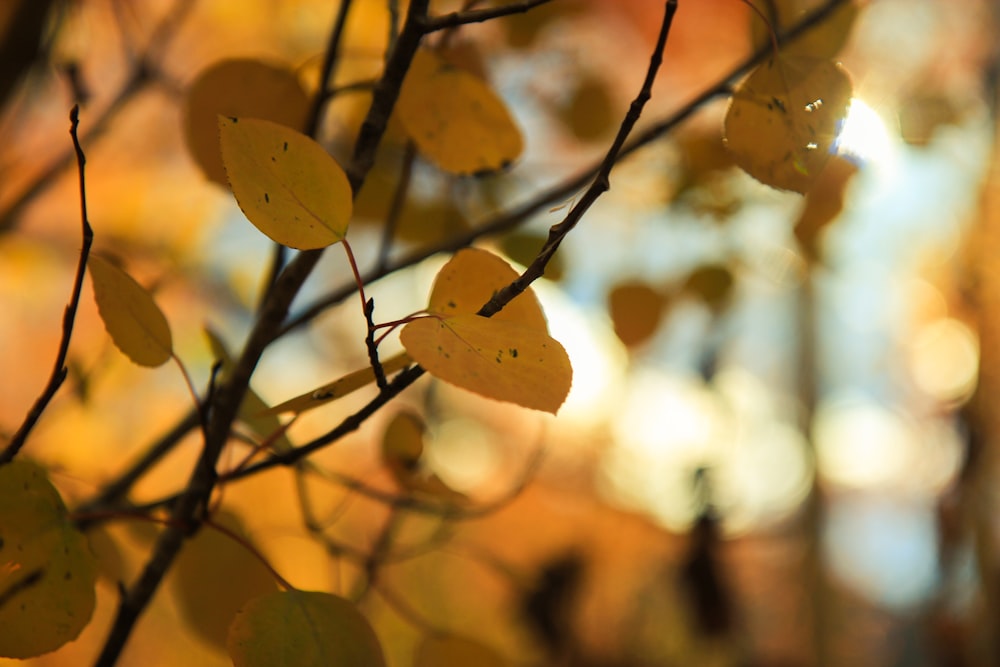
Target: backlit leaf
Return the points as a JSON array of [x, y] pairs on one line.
[[47, 573], [509, 357], [783, 119], [288, 186], [302, 629], [243, 88], [451, 651], [495, 358], [455, 119], [213, 577], [469, 280], [636, 309], [134, 321], [340, 388]]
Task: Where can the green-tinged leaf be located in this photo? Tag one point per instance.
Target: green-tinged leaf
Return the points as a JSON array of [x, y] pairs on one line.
[[243, 88], [288, 186], [471, 277], [214, 576], [494, 358], [47, 573], [784, 118], [455, 119], [134, 321], [254, 411], [522, 246], [452, 651], [339, 388], [302, 629]]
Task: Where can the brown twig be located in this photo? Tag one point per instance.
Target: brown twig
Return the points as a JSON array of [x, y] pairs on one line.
[[59, 369], [456, 19]]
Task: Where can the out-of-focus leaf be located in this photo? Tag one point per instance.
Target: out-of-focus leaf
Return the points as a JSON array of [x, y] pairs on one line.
[[452, 651], [588, 113], [213, 577], [47, 573], [134, 321], [402, 452], [783, 120], [823, 40], [288, 186], [522, 247], [302, 629], [636, 309], [922, 113], [823, 203], [241, 88], [455, 119], [712, 283]]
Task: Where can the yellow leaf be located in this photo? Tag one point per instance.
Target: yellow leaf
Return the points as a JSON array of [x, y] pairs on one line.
[[509, 357], [288, 186], [134, 321], [214, 576], [469, 280], [244, 88], [47, 573], [254, 411], [339, 388], [783, 120], [636, 310], [823, 40], [495, 358], [302, 629], [455, 119], [451, 651]]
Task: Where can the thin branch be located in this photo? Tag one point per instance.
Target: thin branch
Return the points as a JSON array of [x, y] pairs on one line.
[[515, 216], [141, 75], [600, 184], [59, 369], [190, 506], [456, 19]]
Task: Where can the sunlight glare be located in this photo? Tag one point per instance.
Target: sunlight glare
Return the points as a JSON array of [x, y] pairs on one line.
[[864, 136]]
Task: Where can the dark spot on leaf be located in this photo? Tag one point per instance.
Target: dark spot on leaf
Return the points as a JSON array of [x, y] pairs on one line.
[[513, 352], [285, 147], [267, 198], [452, 304]]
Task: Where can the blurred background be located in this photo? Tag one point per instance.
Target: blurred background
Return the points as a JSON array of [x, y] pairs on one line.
[[780, 448]]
